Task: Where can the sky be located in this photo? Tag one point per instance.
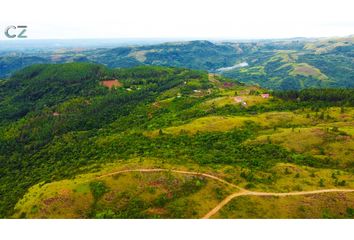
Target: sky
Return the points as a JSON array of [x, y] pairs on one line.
[[189, 19]]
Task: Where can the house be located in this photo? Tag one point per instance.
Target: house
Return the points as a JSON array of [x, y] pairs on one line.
[[228, 85], [197, 91], [56, 114], [111, 83], [238, 99], [265, 95]]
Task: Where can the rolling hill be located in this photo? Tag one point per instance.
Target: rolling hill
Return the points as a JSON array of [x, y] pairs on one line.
[[274, 64], [318, 64], [167, 142]]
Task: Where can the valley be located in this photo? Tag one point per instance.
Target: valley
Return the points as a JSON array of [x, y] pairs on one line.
[[283, 64]]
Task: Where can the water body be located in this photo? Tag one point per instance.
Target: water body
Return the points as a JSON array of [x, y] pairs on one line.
[[239, 65]]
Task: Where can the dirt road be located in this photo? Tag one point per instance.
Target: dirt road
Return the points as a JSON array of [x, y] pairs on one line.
[[251, 193], [240, 192]]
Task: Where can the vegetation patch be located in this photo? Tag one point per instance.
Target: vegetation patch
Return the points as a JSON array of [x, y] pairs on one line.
[[329, 205]]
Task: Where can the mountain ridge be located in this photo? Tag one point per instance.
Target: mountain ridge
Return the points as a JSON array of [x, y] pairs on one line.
[[333, 57]]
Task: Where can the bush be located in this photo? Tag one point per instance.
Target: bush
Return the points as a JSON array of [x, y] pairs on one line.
[[98, 189]]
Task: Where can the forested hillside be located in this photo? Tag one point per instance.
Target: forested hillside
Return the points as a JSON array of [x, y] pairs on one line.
[[274, 64], [321, 64], [82, 140]]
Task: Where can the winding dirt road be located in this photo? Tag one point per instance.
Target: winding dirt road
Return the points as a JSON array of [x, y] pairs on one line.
[[251, 193], [240, 192]]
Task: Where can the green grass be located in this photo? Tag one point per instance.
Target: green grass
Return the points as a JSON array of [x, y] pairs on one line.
[[304, 69], [125, 195], [226, 123], [164, 194], [329, 205], [318, 141]]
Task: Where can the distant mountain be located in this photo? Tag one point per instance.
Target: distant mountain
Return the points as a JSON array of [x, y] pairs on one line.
[[314, 64], [277, 64], [195, 55]]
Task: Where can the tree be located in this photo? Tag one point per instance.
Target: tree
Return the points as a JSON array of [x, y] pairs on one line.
[[160, 132]]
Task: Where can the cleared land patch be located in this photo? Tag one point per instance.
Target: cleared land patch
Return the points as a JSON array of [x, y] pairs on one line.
[[307, 70]]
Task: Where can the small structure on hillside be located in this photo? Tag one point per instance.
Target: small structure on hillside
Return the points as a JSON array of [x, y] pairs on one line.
[[265, 95], [56, 114], [197, 91], [228, 84], [238, 99], [111, 83]]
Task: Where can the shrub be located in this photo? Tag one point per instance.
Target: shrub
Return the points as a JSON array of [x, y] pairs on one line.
[[98, 189]]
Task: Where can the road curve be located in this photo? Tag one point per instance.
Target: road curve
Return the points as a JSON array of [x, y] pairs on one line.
[[174, 171], [240, 192], [251, 193]]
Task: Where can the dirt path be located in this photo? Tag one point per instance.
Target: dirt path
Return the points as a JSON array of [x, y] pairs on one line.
[[240, 192], [251, 193], [174, 171], [223, 203]]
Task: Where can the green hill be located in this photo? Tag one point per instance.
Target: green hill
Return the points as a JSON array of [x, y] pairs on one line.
[[313, 64], [274, 64], [81, 140]]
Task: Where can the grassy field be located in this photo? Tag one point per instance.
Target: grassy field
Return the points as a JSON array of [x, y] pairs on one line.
[[318, 141], [329, 205], [224, 123], [304, 69], [108, 192], [104, 194]]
